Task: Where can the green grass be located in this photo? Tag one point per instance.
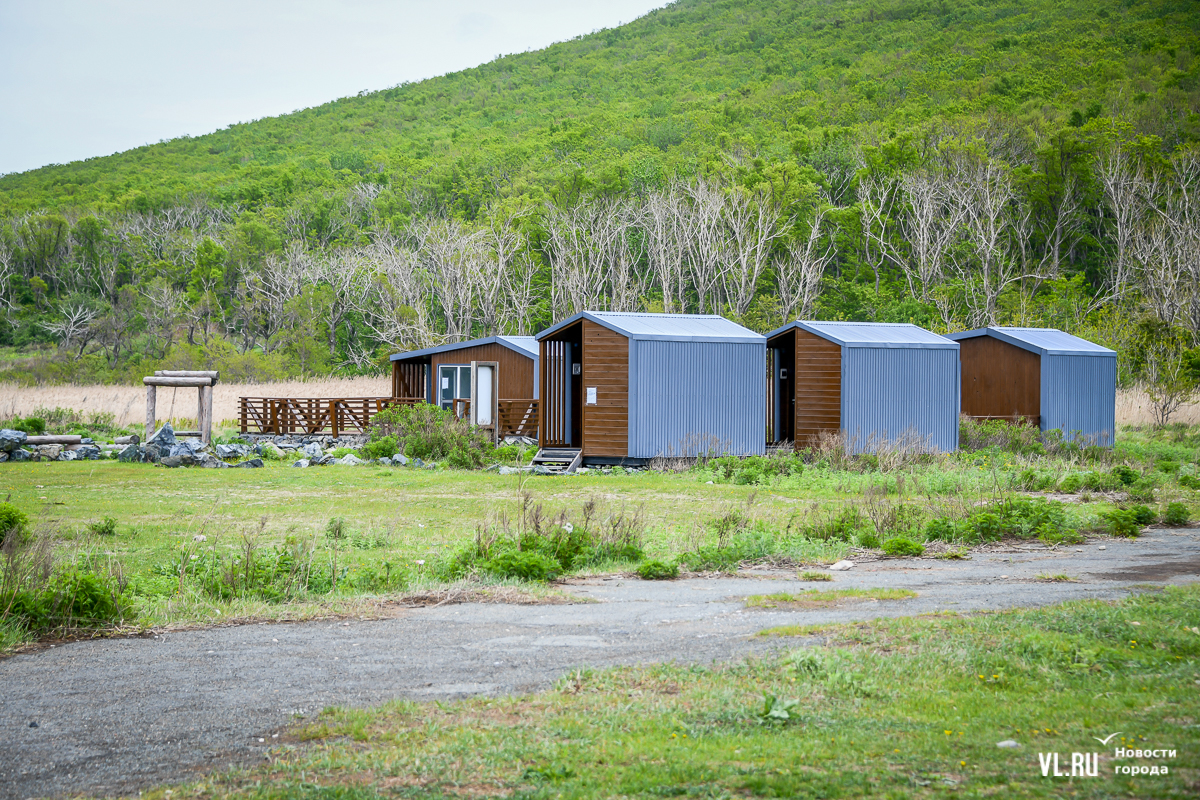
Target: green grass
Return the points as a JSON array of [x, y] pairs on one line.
[[893, 708], [1055, 578], [814, 598], [809, 575]]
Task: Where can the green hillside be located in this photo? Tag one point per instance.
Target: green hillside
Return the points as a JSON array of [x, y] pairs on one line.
[[947, 163], [615, 110]]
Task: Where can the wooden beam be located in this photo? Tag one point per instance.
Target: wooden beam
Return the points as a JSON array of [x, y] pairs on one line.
[[188, 373], [206, 414], [151, 393], [52, 439], [192, 383]]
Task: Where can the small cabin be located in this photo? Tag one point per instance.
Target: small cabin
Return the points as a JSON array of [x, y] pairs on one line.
[[623, 388], [502, 369], [869, 382], [1040, 375]]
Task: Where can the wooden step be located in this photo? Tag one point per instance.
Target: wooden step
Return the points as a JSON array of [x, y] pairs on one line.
[[558, 460]]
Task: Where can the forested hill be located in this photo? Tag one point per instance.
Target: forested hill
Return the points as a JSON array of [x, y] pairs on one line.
[[674, 93]]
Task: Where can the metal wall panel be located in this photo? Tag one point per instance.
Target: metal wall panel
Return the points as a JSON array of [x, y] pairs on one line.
[[685, 395], [1079, 396], [892, 392]]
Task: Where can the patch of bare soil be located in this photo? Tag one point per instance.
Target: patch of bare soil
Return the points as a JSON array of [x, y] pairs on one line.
[[1151, 572]]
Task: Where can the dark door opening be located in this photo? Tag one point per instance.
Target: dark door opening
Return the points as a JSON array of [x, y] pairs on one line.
[[562, 388]]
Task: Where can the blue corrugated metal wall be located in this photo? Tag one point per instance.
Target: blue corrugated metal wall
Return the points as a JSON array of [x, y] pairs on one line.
[[891, 392], [1079, 396], [684, 395]]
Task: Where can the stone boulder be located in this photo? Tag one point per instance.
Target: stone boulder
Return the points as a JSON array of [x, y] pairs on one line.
[[89, 452], [131, 454], [20, 454], [312, 450], [302, 463], [253, 463], [399, 460], [232, 451], [349, 460], [10, 440], [164, 437], [49, 452], [178, 461]]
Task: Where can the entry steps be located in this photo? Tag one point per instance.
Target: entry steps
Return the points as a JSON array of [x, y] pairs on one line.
[[558, 460]]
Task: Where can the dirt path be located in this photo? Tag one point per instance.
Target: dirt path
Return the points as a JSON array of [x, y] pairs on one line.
[[113, 716]]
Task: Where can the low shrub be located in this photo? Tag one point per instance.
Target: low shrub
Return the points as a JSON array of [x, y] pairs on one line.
[[868, 540], [342, 452], [902, 546], [651, 570], [1017, 438], [13, 521], [72, 597], [1189, 482], [103, 527], [432, 434], [1167, 465], [383, 447], [1020, 517], [1124, 474], [752, 470], [1032, 480], [1143, 515], [336, 528], [1176, 515], [1070, 483], [34, 426], [1123, 522], [1142, 490], [523, 564]]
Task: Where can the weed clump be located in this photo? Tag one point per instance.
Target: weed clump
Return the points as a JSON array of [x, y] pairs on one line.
[[433, 434], [13, 522], [1176, 515], [103, 527], [901, 546], [1123, 522], [652, 570]]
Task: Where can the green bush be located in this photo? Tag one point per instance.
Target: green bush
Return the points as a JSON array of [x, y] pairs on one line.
[[745, 546], [1167, 465], [1176, 515], [104, 527], [1142, 490], [1143, 515], [523, 564], [651, 570], [73, 597], [383, 447], [1189, 482], [1123, 522], [753, 470], [1031, 480], [901, 546], [1101, 481], [1051, 535], [336, 528], [1071, 483], [432, 434], [868, 539], [941, 529], [34, 426], [13, 519], [342, 452], [1124, 474]]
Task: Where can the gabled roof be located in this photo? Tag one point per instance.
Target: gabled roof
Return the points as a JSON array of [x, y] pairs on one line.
[[872, 334], [1044, 341], [525, 345], [664, 327]]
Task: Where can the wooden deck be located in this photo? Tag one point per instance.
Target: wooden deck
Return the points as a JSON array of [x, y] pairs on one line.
[[312, 416]]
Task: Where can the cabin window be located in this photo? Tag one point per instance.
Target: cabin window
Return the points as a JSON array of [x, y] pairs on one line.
[[454, 383]]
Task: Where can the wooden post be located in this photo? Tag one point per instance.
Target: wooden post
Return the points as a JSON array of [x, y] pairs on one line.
[[151, 395], [206, 406], [333, 417]]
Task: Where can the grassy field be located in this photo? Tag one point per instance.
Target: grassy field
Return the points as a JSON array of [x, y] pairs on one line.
[[192, 546], [895, 708]]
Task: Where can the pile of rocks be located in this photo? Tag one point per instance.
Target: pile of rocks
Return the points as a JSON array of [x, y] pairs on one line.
[[15, 446], [164, 449]]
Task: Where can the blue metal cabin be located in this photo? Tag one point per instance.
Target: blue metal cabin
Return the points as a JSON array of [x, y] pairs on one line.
[[872, 382], [626, 387], [1045, 375]]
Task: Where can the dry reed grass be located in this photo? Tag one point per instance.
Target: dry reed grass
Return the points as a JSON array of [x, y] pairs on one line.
[[128, 403], [1133, 408]]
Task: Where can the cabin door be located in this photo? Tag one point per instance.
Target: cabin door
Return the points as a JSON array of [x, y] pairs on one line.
[[562, 408]]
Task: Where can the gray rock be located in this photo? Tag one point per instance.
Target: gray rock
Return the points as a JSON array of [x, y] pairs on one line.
[[20, 454], [302, 463], [3, 456], [416, 462], [538, 469], [492, 468], [164, 437], [232, 450], [349, 460], [131, 454], [67, 455], [1008, 744], [509, 471], [525, 440], [10, 440], [312, 450], [89, 452], [49, 452], [383, 462], [253, 463], [178, 461], [192, 447], [399, 460], [271, 451]]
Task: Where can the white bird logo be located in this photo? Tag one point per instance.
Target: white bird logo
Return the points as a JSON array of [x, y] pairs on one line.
[[1107, 739]]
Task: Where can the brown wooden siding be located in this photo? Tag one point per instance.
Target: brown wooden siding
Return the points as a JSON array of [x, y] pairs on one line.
[[605, 367], [818, 383], [999, 380], [516, 370], [408, 380]]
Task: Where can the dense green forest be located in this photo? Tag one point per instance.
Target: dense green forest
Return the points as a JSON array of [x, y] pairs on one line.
[[948, 163]]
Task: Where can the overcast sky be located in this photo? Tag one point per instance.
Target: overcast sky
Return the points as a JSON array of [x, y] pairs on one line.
[[82, 78]]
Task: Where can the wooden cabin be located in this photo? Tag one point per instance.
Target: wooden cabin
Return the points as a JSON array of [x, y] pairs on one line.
[[623, 388], [871, 383], [1040, 375], [502, 368]]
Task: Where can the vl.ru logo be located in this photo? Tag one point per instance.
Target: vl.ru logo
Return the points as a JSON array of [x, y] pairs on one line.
[[1083, 765]]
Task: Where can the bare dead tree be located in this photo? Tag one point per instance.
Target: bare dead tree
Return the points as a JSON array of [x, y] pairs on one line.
[[878, 196], [576, 250], [162, 311], [930, 224], [800, 270], [667, 225], [450, 253], [1125, 195], [710, 253], [755, 222], [75, 328], [394, 303]]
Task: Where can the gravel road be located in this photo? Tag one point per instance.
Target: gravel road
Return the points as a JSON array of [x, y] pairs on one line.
[[114, 716]]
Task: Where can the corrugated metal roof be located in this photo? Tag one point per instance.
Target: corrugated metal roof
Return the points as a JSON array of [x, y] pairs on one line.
[[525, 345], [664, 327], [1045, 341], [871, 334]]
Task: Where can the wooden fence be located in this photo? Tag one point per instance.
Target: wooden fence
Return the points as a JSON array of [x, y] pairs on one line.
[[308, 416]]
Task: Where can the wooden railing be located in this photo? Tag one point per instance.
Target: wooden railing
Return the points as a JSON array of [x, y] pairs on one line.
[[309, 416], [518, 418]]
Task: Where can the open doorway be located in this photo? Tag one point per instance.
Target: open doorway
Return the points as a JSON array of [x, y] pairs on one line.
[[781, 390], [562, 387]]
